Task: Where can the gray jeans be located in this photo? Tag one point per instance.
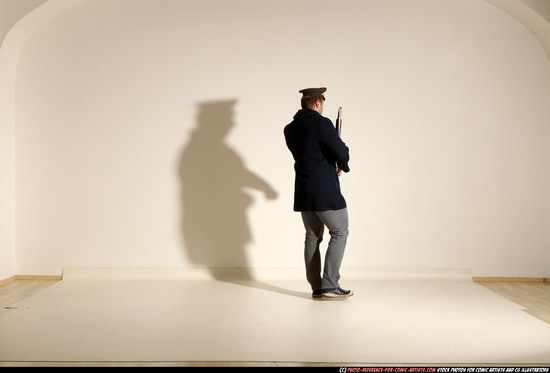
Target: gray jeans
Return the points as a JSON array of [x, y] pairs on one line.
[[337, 224]]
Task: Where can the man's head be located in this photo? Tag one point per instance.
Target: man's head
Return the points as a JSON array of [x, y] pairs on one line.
[[313, 98]]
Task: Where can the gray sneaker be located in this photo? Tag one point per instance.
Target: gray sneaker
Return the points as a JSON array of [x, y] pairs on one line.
[[337, 293]]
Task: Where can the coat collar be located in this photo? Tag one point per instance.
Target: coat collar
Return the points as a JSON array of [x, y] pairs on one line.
[[302, 113]]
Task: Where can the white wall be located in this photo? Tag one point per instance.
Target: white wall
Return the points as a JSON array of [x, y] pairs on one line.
[[10, 13], [15, 27], [7, 176], [445, 111]]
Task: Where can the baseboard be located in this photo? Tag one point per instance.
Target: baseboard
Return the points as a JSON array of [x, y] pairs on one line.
[[30, 277], [7, 280], [38, 277]]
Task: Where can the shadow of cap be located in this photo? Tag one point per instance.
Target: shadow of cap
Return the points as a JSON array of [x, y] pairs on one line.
[[216, 116]]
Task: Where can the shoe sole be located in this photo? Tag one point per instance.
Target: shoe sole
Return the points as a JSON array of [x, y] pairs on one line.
[[329, 295]]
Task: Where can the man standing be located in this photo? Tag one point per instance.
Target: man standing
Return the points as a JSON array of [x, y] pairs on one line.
[[320, 158]]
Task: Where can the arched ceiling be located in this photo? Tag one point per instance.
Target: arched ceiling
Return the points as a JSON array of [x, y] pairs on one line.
[[534, 14]]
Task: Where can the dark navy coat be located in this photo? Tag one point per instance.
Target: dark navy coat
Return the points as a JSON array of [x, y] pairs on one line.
[[317, 149]]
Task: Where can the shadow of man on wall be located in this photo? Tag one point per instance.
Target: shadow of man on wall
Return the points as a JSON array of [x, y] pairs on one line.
[[214, 180]]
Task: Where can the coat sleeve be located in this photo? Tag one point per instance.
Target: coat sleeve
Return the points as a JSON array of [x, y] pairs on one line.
[[330, 139]]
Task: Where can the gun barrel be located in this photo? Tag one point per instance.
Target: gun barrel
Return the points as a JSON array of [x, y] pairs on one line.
[[339, 122]]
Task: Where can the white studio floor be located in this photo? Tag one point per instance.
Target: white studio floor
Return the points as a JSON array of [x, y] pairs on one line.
[[164, 316]]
